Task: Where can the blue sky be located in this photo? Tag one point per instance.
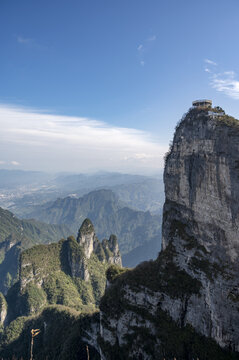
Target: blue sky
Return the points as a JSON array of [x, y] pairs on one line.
[[132, 67]]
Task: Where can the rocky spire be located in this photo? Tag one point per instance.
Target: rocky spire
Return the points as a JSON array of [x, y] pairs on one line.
[[201, 218], [111, 249], [193, 284], [86, 237], [3, 309]]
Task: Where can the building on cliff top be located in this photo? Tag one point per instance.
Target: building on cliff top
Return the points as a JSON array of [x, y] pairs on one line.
[[202, 103]]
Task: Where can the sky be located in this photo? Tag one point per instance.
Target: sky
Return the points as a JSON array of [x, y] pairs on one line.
[[89, 85]]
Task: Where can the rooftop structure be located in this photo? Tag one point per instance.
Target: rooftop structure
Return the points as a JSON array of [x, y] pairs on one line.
[[202, 103]]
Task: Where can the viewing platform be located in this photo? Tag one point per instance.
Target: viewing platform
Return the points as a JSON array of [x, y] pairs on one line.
[[204, 103]]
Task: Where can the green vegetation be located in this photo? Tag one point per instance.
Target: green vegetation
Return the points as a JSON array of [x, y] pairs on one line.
[[16, 235], [86, 228], [33, 299], [13, 331], [159, 275], [113, 272], [227, 120], [179, 341], [29, 232], [60, 289], [97, 271], [51, 275], [76, 251], [60, 338], [56, 274], [40, 260]]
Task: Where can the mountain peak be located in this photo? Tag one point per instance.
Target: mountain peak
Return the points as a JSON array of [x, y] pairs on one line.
[[86, 228], [193, 284], [86, 237]]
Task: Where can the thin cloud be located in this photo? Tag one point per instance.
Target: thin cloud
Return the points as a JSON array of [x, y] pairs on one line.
[[144, 47], [44, 141], [22, 40], [210, 62], [152, 38], [226, 83], [140, 47], [30, 43]]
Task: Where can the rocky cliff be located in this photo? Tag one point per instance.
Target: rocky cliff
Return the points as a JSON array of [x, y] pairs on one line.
[[70, 272], [17, 235], [186, 303]]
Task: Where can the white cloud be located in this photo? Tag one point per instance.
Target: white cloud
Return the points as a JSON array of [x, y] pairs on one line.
[[210, 62], [2, 162], [226, 83], [142, 62], [44, 141], [15, 163]]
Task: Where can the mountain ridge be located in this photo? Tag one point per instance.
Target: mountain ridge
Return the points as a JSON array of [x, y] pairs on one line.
[[133, 228]]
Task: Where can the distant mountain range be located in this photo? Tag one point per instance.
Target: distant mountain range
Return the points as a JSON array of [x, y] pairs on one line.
[[20, 191], [138, 232], [121, 208], [134, 229]]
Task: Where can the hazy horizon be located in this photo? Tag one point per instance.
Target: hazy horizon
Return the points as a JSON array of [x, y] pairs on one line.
[[92, 86], [93, 173]]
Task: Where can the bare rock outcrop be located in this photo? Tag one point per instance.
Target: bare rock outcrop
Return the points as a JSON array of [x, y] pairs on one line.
[[186, 303]]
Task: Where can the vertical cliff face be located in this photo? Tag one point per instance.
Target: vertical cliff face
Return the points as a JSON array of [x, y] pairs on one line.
[[201, 179], [3, 310], [201, 218], [86, 237], [111, 249], [187, 301]]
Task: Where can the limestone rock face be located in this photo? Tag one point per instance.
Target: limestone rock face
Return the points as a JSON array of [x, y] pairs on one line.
[[86, 237], [111, 249], [201, 218], [193, 286], [3, 309]]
